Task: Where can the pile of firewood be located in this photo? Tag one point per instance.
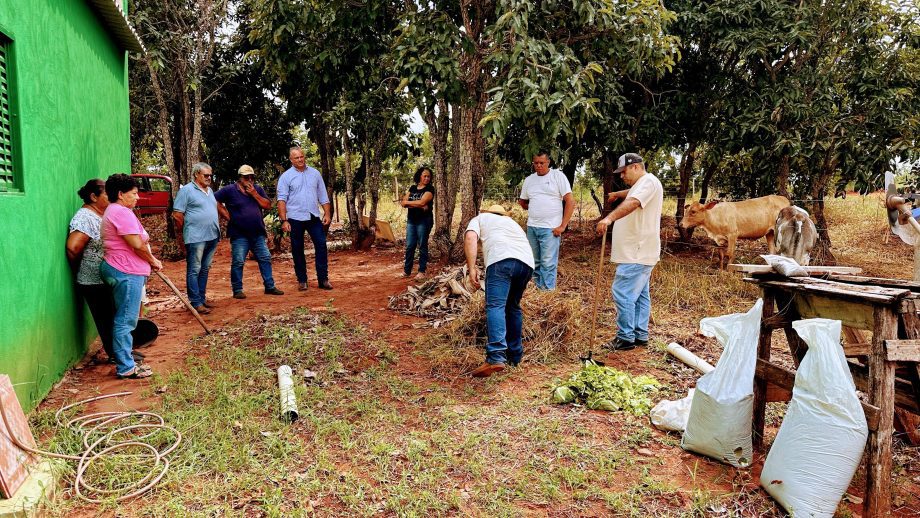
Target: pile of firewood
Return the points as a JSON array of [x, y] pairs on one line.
[[438, 299]]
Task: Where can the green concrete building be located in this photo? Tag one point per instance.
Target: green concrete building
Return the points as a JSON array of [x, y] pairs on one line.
[[64, 118]]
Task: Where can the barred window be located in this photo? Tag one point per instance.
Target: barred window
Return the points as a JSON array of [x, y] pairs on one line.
[[7, 169]]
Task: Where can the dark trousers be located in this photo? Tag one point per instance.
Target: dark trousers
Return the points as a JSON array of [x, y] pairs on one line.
[[102, 307], [314, 227]]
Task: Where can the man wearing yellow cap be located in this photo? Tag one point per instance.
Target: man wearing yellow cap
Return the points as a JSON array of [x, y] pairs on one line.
[[509, 266]]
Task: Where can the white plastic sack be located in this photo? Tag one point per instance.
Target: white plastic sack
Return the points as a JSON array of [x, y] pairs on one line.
[[672, 415], [785, 266], [722, 410], [821, 440]]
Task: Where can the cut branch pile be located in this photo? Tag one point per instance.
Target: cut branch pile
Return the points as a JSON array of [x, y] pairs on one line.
[[553, 330], [440, 299]]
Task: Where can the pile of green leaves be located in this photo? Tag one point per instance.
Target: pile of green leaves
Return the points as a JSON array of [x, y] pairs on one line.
[[605, 388]]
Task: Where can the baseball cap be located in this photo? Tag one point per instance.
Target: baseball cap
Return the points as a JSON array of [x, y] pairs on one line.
[[627, 160], [496, 209], [245, 170]]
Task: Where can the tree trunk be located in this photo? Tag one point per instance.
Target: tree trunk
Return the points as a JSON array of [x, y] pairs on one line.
[[350, 186], [821, 253], [704, 185], [686, 171], [325, 142], [374, 160], [469, 205], [612, 182], [782, 176], [438, 130]]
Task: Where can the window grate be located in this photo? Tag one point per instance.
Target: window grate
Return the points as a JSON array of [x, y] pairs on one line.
[[6, 121]]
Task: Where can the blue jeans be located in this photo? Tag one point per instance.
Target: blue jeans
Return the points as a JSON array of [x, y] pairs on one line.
[[417, 235], [634, 306], [545, 247], [197, 266], [505, 283], [128, 292], [239, 249], [314, 227]]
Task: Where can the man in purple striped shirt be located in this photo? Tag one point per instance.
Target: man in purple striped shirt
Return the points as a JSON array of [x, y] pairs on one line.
[[301, 192]]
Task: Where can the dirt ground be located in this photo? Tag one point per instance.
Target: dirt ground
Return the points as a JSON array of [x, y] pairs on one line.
[[363, 282]]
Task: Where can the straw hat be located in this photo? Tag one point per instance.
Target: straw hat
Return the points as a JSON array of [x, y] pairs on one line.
[[496, 209]]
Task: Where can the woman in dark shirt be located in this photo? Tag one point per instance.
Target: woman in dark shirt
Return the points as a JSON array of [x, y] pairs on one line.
[[419, 200]]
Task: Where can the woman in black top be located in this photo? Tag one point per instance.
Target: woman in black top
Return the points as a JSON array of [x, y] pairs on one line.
[[419, 200]]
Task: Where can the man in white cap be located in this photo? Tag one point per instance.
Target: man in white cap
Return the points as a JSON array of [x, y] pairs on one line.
[[509, 266], [635, 246], [242, 203]]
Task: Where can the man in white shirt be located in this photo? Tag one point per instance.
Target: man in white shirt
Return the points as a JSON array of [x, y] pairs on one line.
[[635, 246], [547, 196], [509, 266]]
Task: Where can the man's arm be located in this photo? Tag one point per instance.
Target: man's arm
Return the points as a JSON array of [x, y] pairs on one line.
[[327, 214], [264, 203], [179, 218], [623, 210], [525, 204], [470, 249], [282, 215], [222, 211], [612, 196], [568, 208]]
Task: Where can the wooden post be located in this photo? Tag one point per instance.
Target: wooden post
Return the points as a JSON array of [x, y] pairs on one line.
[[760, 384], [881, 395]]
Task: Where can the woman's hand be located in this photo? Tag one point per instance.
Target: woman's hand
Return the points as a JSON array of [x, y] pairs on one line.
[[156, 265]]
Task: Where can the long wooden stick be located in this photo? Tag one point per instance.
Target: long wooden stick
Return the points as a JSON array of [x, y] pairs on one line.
[[188, 305], [597, 289]]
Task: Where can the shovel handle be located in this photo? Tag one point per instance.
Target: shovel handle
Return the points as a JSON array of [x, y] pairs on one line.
[[188, 305], [597, 289]]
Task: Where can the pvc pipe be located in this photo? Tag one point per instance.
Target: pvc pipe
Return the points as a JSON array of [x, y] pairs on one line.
[[288, 402], [689, 358]]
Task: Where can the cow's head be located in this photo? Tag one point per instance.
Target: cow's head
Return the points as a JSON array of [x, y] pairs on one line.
[[695, 213]]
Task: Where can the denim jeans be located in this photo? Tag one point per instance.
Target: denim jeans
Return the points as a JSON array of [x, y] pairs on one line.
[[127, 292], [545, 247], [314, 227], [634, 306], [417, 236], [239, 249], [197, 266], [505, 283]]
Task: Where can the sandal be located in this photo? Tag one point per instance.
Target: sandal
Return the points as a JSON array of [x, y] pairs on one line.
[[142, 371]]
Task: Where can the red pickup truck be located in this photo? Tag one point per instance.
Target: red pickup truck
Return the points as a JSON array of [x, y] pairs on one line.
[[154, 193]]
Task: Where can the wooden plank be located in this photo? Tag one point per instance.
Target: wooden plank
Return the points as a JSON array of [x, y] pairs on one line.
[[909, 328], [881, 394], [812, 270], [383, 229], [14, 463], [853, 350], [903, 350], [897, 293], [785, 380], [876, 281], [775, 321], [903, 397], [834, 291]]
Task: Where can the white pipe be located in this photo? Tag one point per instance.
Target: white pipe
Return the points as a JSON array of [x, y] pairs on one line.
[[288, 401], [689, 358]]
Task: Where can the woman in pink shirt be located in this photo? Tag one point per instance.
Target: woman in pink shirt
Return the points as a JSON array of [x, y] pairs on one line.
[[127, 262]]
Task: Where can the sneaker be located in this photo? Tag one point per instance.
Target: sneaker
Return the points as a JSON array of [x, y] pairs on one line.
[[406, 275], [202, 309], [640, 343], [208, 305], [239, 295], [274, 291], [302, 286], [487, 369], [421, 276], [618, 344], [325, 285]]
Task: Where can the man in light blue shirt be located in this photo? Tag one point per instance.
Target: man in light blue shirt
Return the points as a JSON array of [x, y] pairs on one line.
[[195, 213], [301, 192]]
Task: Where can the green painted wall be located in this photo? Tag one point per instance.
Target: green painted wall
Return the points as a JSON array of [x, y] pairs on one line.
[[70, 91]]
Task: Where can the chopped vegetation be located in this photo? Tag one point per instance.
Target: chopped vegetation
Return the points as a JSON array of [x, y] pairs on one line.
[[605, 388]]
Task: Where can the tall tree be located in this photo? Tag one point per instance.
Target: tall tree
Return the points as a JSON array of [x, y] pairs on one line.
[[182, 39]]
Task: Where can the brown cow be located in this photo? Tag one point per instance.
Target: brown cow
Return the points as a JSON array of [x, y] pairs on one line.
[[795, 234], [727, 221]]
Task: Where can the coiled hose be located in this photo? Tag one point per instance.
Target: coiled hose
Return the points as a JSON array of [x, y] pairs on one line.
[[92, 425]]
